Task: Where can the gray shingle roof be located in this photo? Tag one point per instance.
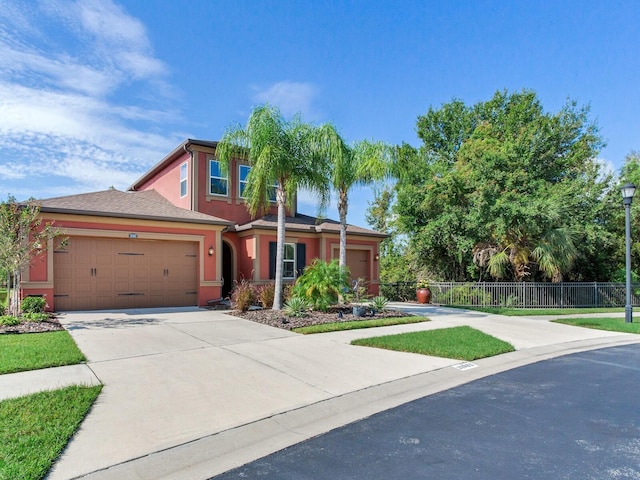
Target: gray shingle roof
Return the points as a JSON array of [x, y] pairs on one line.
[[146, 205], [306, 223]]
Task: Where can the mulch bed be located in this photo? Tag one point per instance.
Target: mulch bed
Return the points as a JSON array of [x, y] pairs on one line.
[[50, 325], [267, 317], [280, 320]]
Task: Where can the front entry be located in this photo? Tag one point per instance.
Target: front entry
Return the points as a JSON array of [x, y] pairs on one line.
[[227, 269]]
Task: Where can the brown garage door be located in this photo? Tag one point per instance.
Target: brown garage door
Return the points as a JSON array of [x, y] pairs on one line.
[[358, 263], [106, 273]]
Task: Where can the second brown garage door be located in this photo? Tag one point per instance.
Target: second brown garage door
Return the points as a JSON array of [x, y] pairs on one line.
[[358, 263], [110, 273]]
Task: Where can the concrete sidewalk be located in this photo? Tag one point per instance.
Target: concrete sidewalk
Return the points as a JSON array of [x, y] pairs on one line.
[[191, 393]]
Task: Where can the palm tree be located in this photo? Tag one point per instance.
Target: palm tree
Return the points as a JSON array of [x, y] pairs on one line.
[[360, 164], [281, 153], [553, 254]]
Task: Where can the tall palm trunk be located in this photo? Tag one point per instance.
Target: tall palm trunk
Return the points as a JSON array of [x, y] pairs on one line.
[[343, 206], [280, 200]]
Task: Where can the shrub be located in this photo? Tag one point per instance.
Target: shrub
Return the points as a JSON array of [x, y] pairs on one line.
[[35, 317], [296, 307], [266, 294], [467, 295], [33, 305], [9, 320], [243, 295], [379, 303], [321, 283]]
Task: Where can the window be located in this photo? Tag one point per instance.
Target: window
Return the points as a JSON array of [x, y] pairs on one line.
[[289, 261], [295, 254], [183, 180], [218, 181], [243, 174]]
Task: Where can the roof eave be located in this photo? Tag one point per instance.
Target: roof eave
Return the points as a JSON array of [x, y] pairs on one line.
[[71, 211]]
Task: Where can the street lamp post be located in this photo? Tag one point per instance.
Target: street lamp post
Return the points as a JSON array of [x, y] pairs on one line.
[[628, 191]]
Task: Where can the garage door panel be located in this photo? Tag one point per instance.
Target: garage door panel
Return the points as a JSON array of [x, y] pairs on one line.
[[103, 273], [358, 263]]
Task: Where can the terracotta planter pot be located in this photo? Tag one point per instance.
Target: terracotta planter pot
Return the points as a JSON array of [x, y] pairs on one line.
[[423, 295]]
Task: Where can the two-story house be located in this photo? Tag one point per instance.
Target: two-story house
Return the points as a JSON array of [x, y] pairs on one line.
[[180, 236]]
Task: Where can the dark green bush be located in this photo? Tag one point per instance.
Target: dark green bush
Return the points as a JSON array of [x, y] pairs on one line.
[[35, 317], [322, 283], [33, 304], [9, 320]]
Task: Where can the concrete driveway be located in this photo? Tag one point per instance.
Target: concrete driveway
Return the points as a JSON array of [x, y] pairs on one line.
[[176, 375], [190, 393]]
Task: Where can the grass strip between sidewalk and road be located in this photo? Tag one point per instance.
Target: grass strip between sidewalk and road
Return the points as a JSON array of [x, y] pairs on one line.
[[340, 326], [462, 343], [610, 324], [531, 312], [22, 352], [36, 428]]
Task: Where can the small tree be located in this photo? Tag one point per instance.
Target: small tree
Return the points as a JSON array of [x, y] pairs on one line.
[[23, 238]]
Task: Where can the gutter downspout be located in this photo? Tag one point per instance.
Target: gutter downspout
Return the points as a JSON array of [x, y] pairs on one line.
[[192, 169]]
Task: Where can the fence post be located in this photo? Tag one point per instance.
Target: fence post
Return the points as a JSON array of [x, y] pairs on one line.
[[595, 293]]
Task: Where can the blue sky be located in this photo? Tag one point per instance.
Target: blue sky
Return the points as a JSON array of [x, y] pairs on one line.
[[94, 92]]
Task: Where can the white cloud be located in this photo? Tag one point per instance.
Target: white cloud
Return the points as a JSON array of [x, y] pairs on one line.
[[290, 98], [61, 64]]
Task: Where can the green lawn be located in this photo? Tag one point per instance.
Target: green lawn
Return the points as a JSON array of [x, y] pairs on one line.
[[463, 343], [611, 324], [525, 312], [36, 428], [21, 352], [338, 326]]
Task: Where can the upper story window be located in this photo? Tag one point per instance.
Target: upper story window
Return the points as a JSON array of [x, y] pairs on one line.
[[218, 184], [183, 180], [243, 174]]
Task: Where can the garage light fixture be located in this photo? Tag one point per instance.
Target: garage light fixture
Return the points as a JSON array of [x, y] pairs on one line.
[[211, 251]]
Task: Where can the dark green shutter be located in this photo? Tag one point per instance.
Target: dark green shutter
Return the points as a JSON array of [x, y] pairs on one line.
[[301, 258], [272, 260]]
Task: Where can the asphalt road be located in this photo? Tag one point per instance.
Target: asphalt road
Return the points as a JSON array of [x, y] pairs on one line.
[[573, 417]]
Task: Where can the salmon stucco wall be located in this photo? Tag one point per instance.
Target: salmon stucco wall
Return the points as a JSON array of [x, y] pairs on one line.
[[167, 182], [231, 206]]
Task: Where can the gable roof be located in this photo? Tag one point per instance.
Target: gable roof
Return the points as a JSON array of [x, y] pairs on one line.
[[145, 205], [176, 152], [306, 223]]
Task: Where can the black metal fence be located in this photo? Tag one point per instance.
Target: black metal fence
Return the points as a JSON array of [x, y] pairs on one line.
[[524, 294]]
